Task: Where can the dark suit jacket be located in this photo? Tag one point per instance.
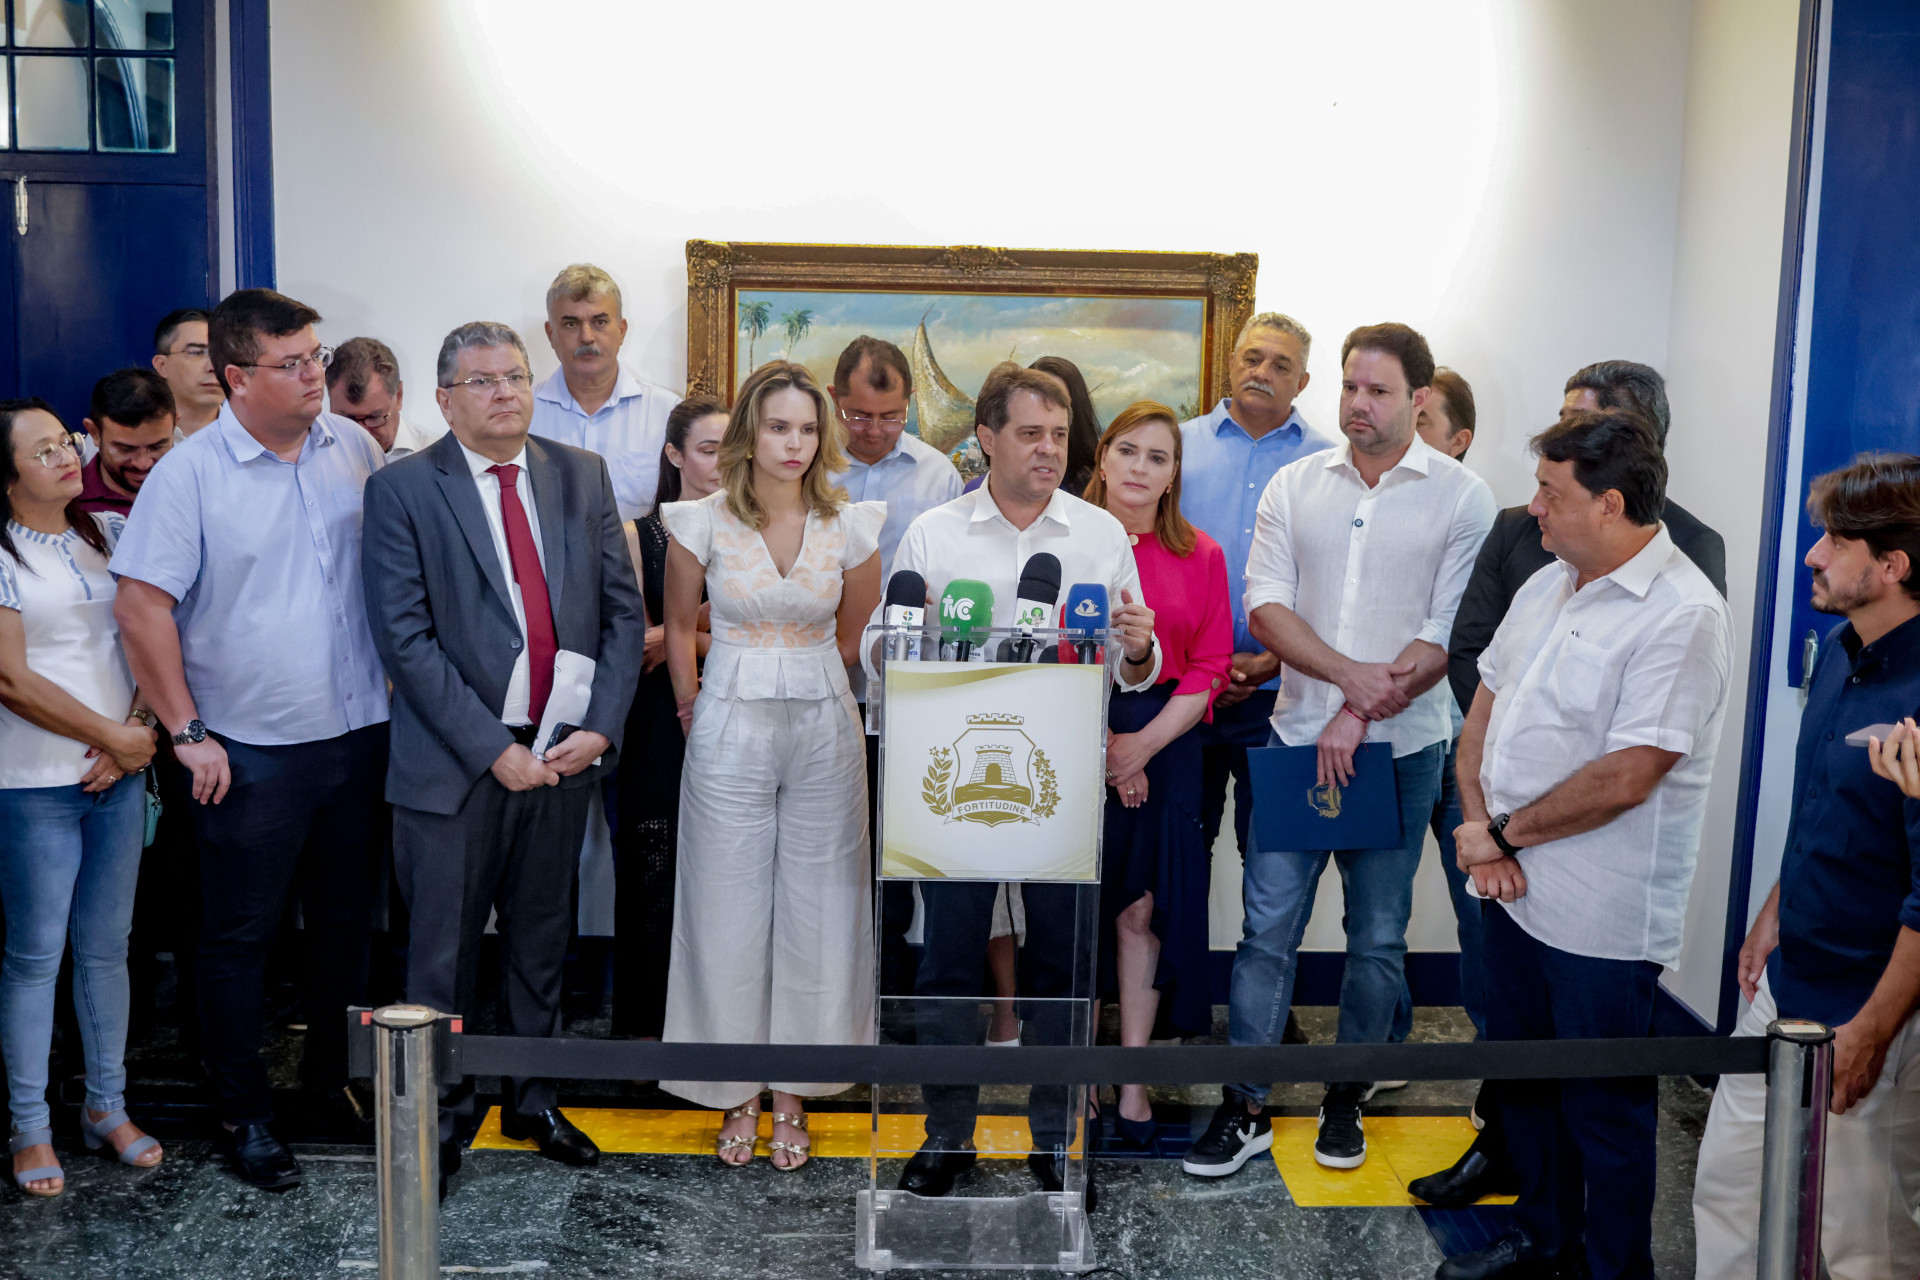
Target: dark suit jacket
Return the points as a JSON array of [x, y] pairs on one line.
[[1512, 553], [443, 621]]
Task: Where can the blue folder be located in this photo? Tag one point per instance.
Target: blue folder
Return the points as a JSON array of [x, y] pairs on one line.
[[1292, 811]]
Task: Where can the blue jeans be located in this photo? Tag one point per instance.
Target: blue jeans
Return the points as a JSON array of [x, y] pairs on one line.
[[69, 862], [1466, 909], [1278, 889]]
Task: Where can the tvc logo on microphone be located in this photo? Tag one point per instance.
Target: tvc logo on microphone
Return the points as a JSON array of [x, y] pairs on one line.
[[956, 609]]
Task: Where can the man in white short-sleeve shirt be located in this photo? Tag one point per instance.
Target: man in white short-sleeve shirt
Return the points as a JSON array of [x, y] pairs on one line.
[[1359, 557], [1583, 771]]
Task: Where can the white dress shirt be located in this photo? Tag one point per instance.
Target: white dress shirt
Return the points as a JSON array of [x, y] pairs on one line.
[[969, 538], [629, 431], [1371, 571], [516, 709], [1640, 657], [415, 433]]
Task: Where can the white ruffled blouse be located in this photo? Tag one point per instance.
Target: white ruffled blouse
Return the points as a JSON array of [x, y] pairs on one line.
[[773, 636]]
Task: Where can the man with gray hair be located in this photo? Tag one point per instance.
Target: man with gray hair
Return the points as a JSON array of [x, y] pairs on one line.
[[593, 401], [363, 386], [488, 556], [1228, 456]]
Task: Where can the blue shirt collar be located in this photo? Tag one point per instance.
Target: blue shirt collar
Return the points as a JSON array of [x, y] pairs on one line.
[[555, 390], [1223, 418], [244, 448]]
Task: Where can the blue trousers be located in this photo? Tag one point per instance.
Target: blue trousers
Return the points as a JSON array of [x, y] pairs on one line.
[[69, 862], [1278, 889], [1466, 909], [1223, 754], [1584, 1149]]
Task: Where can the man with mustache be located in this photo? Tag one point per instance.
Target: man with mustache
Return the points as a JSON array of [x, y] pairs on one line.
[[1358, 559], [593, 401], [1227, 458]]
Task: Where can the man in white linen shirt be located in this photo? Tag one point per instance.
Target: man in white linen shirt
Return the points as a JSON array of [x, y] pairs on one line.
[[593, 401], [872, 392], [1359, 558], [988, 535], [1583, 770]]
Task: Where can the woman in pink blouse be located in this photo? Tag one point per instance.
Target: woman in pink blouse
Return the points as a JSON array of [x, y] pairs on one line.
[[1155, 874]]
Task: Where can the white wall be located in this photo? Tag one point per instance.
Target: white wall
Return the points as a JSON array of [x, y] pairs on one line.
[[1726, 283], [1534, 183]]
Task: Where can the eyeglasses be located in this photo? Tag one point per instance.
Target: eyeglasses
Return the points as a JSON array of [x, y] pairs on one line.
[[371, 421], [56, 453], [319, 359], [192, 351], [867, 419], [482, 385]]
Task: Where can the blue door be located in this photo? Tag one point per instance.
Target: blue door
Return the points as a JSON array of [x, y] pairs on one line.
[[108, 207]]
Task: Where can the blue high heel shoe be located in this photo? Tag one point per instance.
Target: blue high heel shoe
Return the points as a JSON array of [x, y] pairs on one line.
[[33, 1138], [1136, 1133], [95, 1136]]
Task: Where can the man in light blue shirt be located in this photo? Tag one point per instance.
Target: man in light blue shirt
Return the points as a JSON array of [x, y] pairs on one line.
[[242, 613], [1227, 458], [595, 402], [872, 391]]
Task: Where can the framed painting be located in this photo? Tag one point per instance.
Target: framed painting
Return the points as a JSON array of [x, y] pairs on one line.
[[1140, 326]]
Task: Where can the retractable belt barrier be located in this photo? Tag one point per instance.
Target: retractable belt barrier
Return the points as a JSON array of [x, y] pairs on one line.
[[407, 1049], [459, 1055]]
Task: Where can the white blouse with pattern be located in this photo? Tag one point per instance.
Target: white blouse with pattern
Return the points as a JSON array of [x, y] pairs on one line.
[[773, 636], [63, 593]]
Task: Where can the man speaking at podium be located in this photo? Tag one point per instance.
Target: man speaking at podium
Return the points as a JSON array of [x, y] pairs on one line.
[[989, 535]]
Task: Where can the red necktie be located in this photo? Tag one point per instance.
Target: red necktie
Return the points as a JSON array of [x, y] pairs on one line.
[[541, 645]]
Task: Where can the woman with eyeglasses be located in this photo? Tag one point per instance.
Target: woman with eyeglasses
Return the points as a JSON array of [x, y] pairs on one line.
[[75, 740], [1155, 873]]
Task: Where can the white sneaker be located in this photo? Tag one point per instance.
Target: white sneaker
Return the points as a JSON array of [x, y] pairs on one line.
[[1381, 1086]]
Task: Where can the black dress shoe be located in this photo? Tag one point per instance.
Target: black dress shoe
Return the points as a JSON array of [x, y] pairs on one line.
[[1511, 1257], [259, 1158], [931, 1172], [1050, 1171], [554, 1134], [1473, 1175]]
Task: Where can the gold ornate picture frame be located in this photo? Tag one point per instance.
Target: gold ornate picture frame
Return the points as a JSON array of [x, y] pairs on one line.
[[1207, 297]]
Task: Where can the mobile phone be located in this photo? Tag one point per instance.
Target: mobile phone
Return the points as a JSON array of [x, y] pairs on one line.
[[1858, 738]]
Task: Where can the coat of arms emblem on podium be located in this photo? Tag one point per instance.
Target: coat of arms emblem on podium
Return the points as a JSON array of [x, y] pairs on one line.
[[993, 773]]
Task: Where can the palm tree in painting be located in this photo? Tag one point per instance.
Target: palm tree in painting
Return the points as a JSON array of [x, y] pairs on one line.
[[798, 325], [755, 319]]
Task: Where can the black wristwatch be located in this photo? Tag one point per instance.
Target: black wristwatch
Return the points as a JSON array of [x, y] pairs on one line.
[[1498, 830], [194, 732]]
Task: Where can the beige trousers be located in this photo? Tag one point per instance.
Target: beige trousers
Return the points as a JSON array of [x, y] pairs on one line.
[[1870, 1227], [773, 905]]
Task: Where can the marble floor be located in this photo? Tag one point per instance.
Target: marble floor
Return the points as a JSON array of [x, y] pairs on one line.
[[684, 1216]]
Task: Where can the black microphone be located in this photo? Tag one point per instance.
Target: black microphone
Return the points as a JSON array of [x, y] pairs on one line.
[[1038, 592], [906, 607]]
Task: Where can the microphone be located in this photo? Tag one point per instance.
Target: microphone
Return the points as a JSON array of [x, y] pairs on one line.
[[906, 607], [966, 615], [1086, 612], [1038, 592]]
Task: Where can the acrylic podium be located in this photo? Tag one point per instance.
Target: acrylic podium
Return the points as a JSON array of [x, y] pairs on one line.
[[991, 779]]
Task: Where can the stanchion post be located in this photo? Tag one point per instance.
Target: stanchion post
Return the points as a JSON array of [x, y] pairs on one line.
[[1793, 1166], [407, 1141]]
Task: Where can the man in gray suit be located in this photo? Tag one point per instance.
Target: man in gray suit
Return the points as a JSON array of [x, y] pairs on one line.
[[485, 554]]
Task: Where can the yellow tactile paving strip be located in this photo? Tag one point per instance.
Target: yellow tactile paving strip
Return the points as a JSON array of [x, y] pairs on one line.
[[1399, 1149], [835, 1133]]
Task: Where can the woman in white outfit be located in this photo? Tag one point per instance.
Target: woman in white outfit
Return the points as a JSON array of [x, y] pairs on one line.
[[773, 910]]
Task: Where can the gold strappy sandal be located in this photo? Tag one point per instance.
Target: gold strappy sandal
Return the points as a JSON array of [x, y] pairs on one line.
[[726, 1144], [799, 1152]]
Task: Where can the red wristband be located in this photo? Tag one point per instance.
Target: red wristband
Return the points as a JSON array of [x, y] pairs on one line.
[[1355, 714]]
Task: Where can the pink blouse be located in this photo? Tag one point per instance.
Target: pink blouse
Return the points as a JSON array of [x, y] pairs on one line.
[[1192, 618]]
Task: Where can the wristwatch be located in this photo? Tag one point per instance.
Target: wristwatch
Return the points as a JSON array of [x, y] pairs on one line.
[[1498, 830], [145, 717], [194, 732]]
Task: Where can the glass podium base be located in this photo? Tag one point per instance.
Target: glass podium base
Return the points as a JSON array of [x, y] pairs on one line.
[[1040, 1231]]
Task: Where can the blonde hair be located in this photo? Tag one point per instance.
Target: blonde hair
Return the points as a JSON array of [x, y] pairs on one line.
[[1175, 534], [817, 489]]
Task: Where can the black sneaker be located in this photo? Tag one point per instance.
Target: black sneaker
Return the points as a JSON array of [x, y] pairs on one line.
[[1342, 1143], [1233, 1137]]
